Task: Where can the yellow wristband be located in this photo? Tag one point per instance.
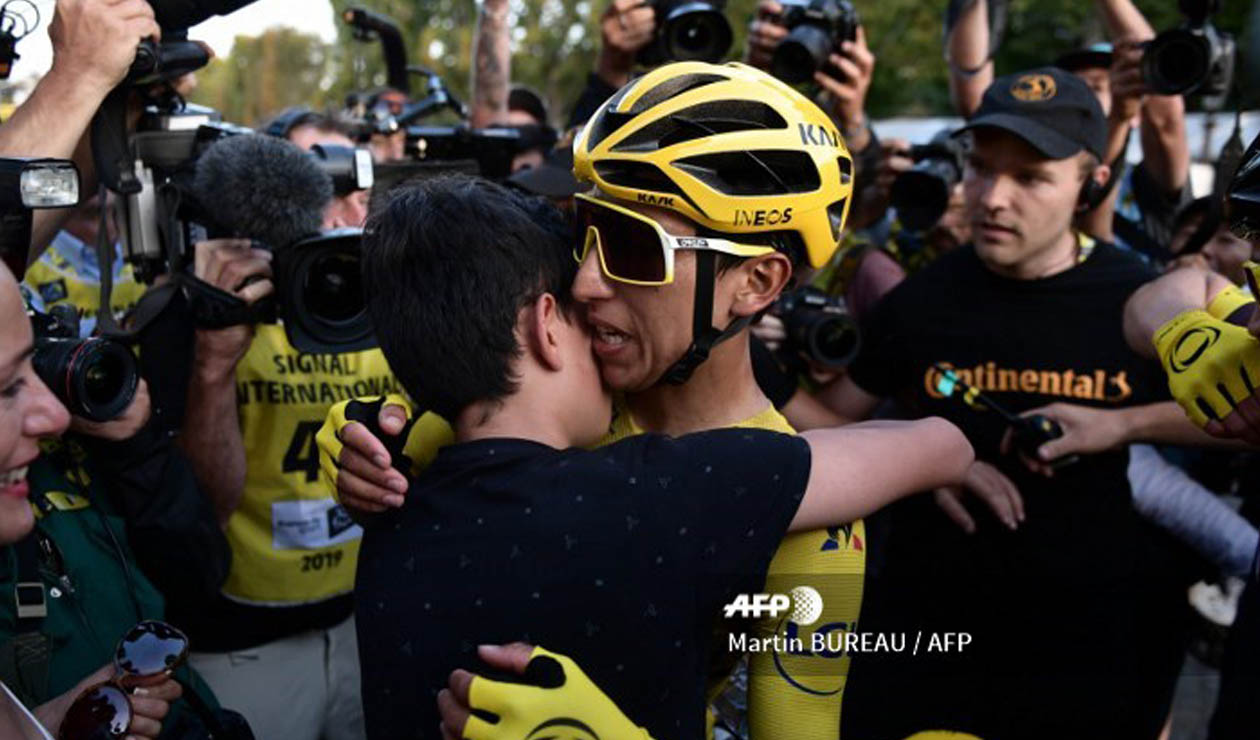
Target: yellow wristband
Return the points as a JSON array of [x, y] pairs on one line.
[[1228, 301]]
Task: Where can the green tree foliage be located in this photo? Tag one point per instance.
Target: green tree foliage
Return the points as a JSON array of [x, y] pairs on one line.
[[265, 74], [555, 43]]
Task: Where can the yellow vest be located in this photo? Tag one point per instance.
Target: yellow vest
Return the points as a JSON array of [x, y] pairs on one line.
[[291, 542]]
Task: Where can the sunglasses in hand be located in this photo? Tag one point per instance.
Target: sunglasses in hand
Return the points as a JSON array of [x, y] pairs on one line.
[[147, 655]]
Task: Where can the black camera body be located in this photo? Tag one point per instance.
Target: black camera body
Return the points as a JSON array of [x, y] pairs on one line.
[[816, 28], [1192, 58], [491, 149], [818, 326], [688, 31], [921, 193], [95, 378]]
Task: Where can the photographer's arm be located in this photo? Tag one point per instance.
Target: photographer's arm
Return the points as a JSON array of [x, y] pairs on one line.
[[1165, 146], [94, 43], [492, 65], [173, 529], [211, 433], [847, 399], [967, 50]]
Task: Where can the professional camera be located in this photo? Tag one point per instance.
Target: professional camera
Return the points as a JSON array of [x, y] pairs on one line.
[[490, 149], [350, 168], [921, 193], [816, 30], [818, 326], [94, 378], [688, 31], [1192, 58], [26, 184]]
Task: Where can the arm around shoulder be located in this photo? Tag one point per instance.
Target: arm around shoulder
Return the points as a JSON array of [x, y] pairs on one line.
[[858, 469]]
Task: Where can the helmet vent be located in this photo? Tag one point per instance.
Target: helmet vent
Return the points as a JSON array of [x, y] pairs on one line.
[[636, 175], [846, 170], [835, 214], [672, 88], [765, 172], [701, 120]]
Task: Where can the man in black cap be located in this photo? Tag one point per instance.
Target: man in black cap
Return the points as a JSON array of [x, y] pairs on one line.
[[1052, 592]]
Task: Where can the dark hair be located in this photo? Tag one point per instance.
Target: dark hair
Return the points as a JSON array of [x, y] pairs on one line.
[[448, 263]]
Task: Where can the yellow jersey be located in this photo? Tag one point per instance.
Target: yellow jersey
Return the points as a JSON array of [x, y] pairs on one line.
[[292, 543]]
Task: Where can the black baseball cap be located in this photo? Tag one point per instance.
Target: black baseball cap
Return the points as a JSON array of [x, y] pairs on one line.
[[524, 99], [1050, 108]]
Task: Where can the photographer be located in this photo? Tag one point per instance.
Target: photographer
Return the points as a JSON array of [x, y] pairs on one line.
[[119, 516], [306, 129], [283, 624], [1138, 210], [94, 43], [844, 93], [626, 27]]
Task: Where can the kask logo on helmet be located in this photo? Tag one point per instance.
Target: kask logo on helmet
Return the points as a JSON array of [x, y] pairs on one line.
[[815, 135]]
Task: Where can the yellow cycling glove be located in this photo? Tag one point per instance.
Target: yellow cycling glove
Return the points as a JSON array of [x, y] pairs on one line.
[[1212, 365], [1228, 302], [410, 451], [560, 698]]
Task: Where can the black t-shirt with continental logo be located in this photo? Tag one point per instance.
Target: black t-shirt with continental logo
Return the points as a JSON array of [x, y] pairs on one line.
[[1074, 566]]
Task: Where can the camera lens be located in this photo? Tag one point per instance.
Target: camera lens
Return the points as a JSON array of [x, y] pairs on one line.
[[921, 194], [95, 378], [832, 340], [697, 32], [801, 54], [333, 288], [321, 293], [1176, 62]]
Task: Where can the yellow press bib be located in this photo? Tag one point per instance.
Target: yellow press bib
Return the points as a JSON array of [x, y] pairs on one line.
[[291, 542]]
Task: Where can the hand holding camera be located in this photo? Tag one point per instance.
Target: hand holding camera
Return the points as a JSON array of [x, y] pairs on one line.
[[123, 427], [846, 79], [95, 41], [1128, 86], [233, 266]]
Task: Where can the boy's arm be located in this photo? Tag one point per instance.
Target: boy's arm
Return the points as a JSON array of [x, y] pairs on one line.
[[858, 469]]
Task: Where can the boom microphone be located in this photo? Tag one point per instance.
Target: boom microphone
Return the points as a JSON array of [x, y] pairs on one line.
[[263, 188], [179, 14]]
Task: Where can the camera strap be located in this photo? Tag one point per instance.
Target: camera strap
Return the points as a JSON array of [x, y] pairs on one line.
[[704, 335]]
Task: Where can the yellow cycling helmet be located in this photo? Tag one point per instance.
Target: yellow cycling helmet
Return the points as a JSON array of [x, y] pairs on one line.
[[728, 146]]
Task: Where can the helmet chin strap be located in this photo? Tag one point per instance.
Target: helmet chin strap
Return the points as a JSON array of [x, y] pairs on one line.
[[704, 335]]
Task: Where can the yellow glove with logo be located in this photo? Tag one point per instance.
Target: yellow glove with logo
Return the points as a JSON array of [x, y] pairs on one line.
[[1228, 302], [410, 451], [560, 700], [1212, 365]]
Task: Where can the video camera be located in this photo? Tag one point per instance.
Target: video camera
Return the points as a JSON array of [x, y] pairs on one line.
[[1194, 57], [818, 326], [921, 193], [688, 31], [816, 28]]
